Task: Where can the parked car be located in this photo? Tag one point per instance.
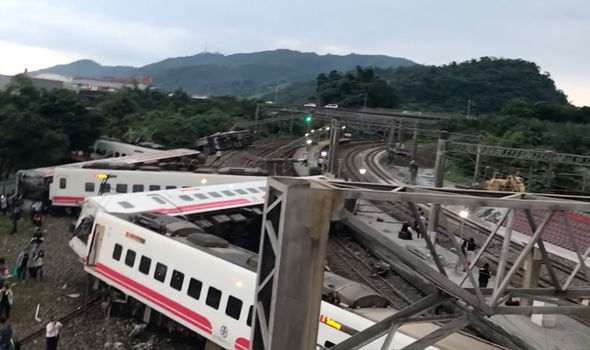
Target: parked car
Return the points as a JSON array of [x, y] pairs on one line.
[[331, 105], [310, 105]]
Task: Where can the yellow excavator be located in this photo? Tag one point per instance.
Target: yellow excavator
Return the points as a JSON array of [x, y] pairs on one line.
[[513, 183]]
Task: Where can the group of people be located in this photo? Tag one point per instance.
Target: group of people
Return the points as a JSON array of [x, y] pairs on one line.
[[468, 246], [11, 204], [407, 232], [32, 258]]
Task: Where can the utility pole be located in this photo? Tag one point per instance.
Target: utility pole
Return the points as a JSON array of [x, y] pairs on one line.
[[469, 107], [365, 103], [415, 141], [439, 173], [550, 165], [333, 148], [477, 161], [256, 117]]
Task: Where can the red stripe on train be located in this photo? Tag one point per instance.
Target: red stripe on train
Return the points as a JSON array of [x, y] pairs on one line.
[[67, 199], [242, 344], [169, 305], [202, 206]]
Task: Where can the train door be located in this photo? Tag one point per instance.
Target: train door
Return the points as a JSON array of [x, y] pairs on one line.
[[96, 244]]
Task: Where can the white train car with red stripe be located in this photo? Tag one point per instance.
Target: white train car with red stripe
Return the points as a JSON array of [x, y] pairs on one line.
[[71, 186], [197, 280], [34, 184], [134, 243]]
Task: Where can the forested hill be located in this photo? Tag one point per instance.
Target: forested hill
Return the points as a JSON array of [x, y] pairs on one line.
[[241, 75], [488, 82]]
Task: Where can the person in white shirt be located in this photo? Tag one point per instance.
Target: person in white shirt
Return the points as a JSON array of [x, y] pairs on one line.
[[51, 333]]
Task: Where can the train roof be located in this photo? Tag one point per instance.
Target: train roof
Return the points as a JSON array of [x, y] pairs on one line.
[[127, 160], [185, 201]]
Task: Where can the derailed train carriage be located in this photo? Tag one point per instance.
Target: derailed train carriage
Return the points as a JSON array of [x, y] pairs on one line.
[[223, 141], [151, 248]]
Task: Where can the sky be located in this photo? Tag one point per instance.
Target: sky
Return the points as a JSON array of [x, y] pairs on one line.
[[553, 34]]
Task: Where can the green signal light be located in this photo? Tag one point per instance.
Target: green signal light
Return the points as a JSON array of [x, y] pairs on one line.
[[308, 118]]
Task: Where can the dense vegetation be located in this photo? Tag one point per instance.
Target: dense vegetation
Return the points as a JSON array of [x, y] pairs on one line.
[[39, 127], [349, 90], [488, 82]]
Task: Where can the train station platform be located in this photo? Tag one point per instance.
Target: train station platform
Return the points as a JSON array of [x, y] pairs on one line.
[[312, 155]]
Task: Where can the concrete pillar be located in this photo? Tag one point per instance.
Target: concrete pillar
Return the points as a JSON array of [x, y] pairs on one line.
[[439, 172], [532, 269]]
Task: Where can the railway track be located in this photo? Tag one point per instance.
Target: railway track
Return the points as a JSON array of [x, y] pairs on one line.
[[400, 212], [391, 286], [63, 319]]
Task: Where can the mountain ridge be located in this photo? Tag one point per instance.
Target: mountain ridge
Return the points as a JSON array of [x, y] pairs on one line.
[[239, 74]]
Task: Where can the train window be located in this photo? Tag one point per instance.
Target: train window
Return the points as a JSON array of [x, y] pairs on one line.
[[240, 191], [160, 273], [249, 319], [228, 193], [123, 154], [200, 196], [126, 205], [116, 154], [170, 187], [137, 188], [328, 344], [62, 183], [121, 188], [158, 200], [213, 297], [194, 288], [263, 189], [89, 187], [117, 252], [252, 190], [154, 187], [105, 188], [130, 258], [144, 264], [176, 280], [234, 307], [214, 194], [185, 197]]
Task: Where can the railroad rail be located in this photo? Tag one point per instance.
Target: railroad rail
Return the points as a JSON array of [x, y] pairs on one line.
[[471, 228]]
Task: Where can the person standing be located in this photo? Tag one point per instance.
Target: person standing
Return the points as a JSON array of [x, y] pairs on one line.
[[6, 300], [36, 241], [21, 264], [52, 333], [39, 261], [5, 334], [471, 248], [15, 216], [3, 204], [484, 275]]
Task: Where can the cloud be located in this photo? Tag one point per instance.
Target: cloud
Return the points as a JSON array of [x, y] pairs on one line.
[[18, 57], [112, 41]]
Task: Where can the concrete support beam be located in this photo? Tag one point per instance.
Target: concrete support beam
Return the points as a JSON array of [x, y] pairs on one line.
[[532, 270], [291, 265], [439, 174]]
